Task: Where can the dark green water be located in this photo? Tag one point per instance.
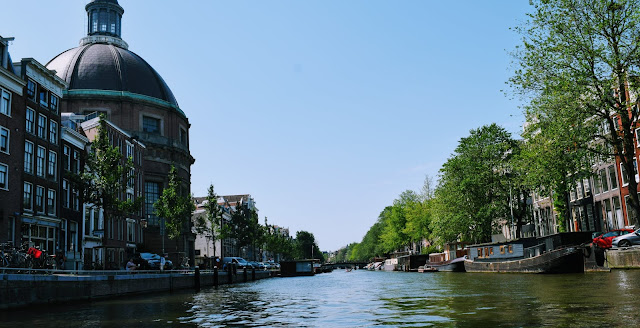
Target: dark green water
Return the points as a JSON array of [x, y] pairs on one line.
[[364, 299]]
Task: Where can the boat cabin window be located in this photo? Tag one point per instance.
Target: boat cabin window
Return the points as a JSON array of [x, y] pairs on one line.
[[502, 249], [490, 250], [480, 252], [510, 248]]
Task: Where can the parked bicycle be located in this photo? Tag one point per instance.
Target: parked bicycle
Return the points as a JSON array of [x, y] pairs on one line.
[[39, 259]]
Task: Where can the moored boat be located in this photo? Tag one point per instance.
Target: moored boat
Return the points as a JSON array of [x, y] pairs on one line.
[[455, 265], [451, 260], [559, 253]]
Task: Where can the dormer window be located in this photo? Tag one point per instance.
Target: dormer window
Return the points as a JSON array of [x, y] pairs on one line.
[[150, 125]]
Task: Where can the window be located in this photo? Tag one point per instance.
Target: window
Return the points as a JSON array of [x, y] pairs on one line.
[[40, 155], [4, 176], [510, 249], [152, 193], [5, 102], [42, 126], [75, 194], [44, 97], [131, 181], [502, 249], [31, 90], [31, 119], [614, 179], [150, 125], [605, 180], [53, 132], [103, 20], [596, 183], [66, 159], [66, 194], [183, 137], [54, 103], [480, 252], [131, 226], [28, 157], [51, 202], [130, 151], [112, 22], [623, 173], [94, 22], [53, 165], [27, 196], [4, 140], [39, 199], [76, 162]]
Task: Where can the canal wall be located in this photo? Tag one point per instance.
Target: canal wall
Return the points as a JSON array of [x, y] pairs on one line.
[[624, 258], [19, 290]]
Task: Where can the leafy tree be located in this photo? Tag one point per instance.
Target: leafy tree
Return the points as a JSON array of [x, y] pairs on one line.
[[245, 228], [306, 247], [473, 191], [176, 209], [209, 225], [278, 243], [106, 176], [419, 214], [588, 52], [394, 235], [549, 160]]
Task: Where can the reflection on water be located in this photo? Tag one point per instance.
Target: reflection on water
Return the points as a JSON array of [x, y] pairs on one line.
[[362, 299]]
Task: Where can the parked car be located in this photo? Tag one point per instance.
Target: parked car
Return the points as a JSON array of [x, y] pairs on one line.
[[604, 240], [271, 265], [151, 261], [238, 261], [627, 240]]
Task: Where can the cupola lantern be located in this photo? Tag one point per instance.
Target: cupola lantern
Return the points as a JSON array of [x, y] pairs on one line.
[[104, 25]]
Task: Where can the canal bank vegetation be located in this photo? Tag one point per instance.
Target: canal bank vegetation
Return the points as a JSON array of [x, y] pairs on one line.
[[577, 73], [474, 194]]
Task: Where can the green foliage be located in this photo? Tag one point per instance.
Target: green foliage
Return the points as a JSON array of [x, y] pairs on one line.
[[473, 191], [278, 243], [394, 234], [244, 227], [579, 64], [176, 209], [106, 176], [306, 247], [209, 225], [431, 249]]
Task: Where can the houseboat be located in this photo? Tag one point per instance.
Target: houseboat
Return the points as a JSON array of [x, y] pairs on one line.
[[559, 253], [298, 268], [451, 260]]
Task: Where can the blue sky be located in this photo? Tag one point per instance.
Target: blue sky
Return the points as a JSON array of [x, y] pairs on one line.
[[324, 111]]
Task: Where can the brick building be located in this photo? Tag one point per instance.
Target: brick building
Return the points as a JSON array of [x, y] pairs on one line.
[[12, 109], [104, 76]]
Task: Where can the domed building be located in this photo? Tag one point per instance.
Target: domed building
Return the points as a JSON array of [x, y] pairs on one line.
[[104, 76]]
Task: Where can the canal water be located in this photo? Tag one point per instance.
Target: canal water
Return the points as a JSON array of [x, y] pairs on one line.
[[362, 299]]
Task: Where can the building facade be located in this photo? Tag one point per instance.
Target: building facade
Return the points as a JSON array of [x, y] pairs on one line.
[[118, 236], [12, 109], [40, 223], [104, 76]]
